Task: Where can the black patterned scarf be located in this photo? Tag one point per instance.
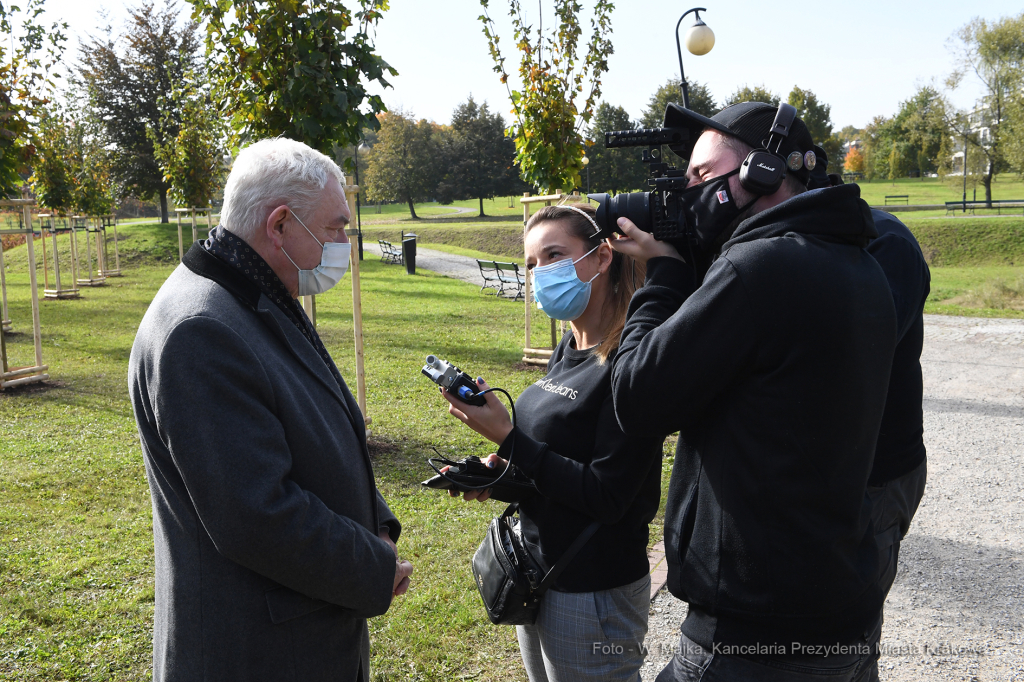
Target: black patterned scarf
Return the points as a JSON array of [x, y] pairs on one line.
[[243, 258]]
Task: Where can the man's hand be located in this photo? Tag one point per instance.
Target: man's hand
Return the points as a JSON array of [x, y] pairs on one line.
[[402, 572], [385, 535], [403, 569], [641, 245]]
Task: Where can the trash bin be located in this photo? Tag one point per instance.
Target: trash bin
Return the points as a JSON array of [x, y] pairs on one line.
[[409, 253]]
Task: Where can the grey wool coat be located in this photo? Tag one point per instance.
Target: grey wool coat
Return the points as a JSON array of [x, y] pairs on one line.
[[265, 510]]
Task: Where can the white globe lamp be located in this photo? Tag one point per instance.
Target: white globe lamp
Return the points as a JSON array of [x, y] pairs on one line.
[[699, 38]]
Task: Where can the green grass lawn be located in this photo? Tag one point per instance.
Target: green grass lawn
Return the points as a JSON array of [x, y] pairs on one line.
[[971, 291], [939, 190], [76, 558]]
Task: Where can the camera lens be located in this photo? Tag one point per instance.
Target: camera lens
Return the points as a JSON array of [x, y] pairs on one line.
[[635, 206]]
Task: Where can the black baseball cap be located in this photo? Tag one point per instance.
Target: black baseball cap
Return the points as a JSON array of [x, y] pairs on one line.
[[819, 174], [820, 177], [748, 121]]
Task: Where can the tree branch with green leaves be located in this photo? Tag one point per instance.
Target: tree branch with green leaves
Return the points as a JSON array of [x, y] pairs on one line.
[[298, 69], [192, 160], [550, 118], [26, 84]]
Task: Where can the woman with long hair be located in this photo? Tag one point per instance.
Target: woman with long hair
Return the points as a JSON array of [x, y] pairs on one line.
[[591, 624]]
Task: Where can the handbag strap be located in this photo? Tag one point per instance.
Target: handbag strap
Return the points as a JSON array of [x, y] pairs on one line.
[[552, 575], [568, 556]]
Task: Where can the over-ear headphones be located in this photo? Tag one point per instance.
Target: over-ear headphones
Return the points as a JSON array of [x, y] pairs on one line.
[[764, 170]]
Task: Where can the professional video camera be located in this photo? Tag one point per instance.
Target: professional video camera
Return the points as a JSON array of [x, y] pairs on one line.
[[698, 225], [656, 211]]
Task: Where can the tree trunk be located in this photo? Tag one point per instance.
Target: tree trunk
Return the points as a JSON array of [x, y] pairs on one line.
[[481, 207], [412, 209], [164, 218], [988, 184]]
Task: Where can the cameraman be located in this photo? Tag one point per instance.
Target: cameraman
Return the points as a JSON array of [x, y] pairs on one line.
[[774, 369]]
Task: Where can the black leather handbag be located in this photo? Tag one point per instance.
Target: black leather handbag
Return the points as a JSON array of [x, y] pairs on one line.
[[508, 577]]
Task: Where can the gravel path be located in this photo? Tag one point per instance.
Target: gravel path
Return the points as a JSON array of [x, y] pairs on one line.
[[956, 611], [447, 264]]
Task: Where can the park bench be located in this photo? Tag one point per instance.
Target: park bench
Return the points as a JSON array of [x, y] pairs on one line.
[[999, 205], [389, 254], [489, 272], [510, 278], [897, 199], [503, 277]]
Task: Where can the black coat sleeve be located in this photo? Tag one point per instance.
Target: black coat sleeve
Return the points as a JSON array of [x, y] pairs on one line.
[[605, 488], [679, 350]]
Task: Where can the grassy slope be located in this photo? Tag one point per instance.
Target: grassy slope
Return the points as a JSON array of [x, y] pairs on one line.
[[503, 240], [472, 253], [967, 255], [76, 582], [390, 213]]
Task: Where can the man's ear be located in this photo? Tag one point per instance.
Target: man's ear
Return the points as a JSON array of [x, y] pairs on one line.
[[275, 226]]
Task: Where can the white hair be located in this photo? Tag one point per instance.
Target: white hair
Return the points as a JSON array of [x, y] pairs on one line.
[[270, 173]]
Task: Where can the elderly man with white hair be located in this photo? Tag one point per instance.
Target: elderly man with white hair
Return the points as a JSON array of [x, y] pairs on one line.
[[273, 545]]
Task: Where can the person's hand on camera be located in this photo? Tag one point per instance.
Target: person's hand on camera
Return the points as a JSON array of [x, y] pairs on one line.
[[492, 461], [490, 420], [641, 245]]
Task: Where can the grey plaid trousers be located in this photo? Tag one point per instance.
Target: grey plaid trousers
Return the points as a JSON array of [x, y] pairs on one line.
[[588, 636]]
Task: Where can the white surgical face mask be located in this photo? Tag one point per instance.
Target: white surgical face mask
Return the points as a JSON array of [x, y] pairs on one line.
[[333, 265]]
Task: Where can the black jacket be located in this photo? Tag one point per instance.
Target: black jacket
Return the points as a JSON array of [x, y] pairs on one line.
[[586, 468], [775, 372], [901, 440]]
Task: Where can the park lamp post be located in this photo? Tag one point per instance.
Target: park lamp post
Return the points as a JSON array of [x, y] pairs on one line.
[[965, 170], [586, 163], [699, 41]]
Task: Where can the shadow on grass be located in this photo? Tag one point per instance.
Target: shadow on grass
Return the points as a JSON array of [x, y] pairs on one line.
[[33, 390]]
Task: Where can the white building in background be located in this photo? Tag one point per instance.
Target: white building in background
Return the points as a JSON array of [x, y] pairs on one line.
[[980, 124]]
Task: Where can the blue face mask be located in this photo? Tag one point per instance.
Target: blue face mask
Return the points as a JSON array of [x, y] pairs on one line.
[[559, 290]]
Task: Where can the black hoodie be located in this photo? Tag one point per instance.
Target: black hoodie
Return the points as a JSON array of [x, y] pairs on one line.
[[901, 440], [775, 372]]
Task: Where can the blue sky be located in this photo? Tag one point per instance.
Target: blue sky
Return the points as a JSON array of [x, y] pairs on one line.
[[890, 49]]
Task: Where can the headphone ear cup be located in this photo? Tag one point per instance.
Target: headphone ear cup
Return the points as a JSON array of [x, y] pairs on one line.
[[762, 173]]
